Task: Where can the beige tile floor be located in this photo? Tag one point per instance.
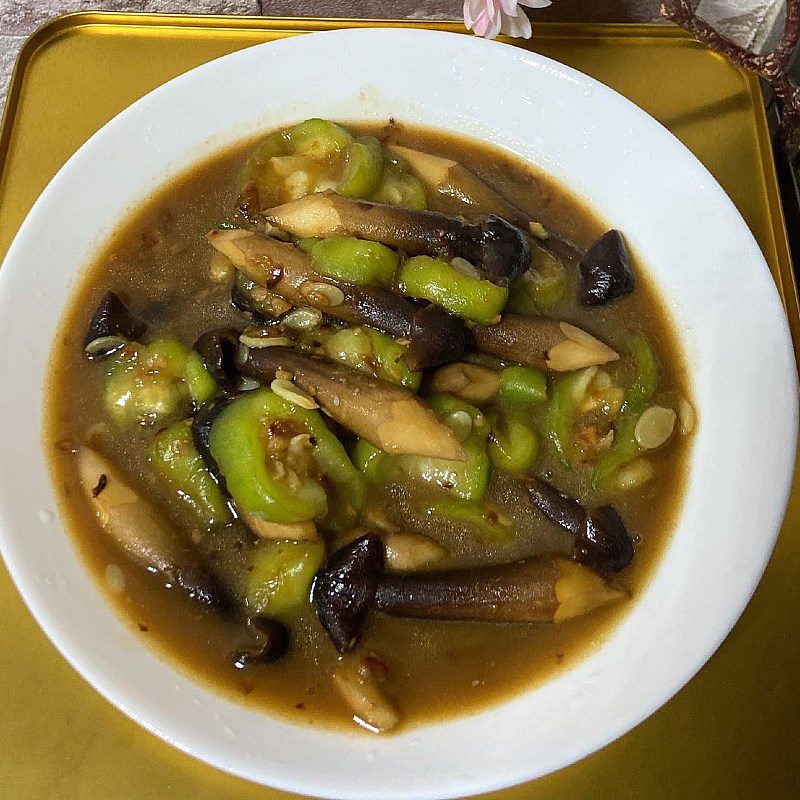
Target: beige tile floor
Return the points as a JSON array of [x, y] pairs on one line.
[[18, 18]]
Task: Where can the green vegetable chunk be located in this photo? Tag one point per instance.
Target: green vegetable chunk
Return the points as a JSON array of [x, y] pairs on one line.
[[151, 383], [514, 443], [522, 386], [401, 187], [363, 167], [480, 517], [565, 394], [466, 479], [306, 158], [353, 260], [280, 582], [625, 447], [542, 286], [278, 459], [466, 295], [373, 352], [317, 138], [249, 296], [174, 459], [371, 461]]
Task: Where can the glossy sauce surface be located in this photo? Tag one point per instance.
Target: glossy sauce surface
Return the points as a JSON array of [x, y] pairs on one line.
[[160, 259]]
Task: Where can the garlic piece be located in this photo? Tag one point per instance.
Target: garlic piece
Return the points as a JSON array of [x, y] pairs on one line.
[[578, 349], [538, 230], [289, 392], [322, 294], [635, 474], [410, 551], [293, 531], [303, 318], [654, 427], [470, 382], [220, 269], [257, 338], [686, 417]]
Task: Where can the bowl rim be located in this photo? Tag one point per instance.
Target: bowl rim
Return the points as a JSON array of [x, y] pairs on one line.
[[37, 598]]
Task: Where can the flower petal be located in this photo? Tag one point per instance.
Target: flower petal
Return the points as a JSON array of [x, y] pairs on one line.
[[517, 26], [535, 3], [482, 23], [472, 8], [494, 27]]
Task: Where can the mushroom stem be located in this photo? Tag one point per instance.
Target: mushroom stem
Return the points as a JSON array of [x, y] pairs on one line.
[[344, 590], [435, 336], [140, 530], [498, 249], [384, 414], [542, 342], [541, 589], [545, 588], [460, 185]]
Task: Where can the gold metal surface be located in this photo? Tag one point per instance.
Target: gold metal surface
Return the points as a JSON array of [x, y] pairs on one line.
[[731, 733]]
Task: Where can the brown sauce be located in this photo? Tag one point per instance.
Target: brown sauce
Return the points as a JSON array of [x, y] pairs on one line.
[[160, 258]]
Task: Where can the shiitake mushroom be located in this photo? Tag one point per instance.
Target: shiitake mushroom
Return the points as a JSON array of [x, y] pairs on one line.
[[499, 250], [111, 325], [218, 349], [344, 590], [435, 336], [601, 540], [605, 271], [272, 641]]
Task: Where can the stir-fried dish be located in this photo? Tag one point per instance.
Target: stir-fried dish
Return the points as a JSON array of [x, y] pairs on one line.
[[368, 424]]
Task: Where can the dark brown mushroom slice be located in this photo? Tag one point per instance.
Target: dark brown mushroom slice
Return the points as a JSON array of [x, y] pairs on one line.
[[499, 250], [503, 252], [272, 640], [564, 511], [242, 297], [604, 544], [386, 415], [228, 552], [344, 590], [218, 350], [201, 434], [141, 531], [111, 323], [601, 540], [542, 342], [435, 336], [541, 589], [605, 271]]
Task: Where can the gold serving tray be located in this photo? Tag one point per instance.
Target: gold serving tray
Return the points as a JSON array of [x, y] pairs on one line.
[[733, 732]]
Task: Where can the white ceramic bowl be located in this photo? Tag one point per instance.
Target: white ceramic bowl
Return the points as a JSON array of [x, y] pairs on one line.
[[641, 180]]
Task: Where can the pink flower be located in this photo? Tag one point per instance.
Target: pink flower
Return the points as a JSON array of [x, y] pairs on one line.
[[490, 17]]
